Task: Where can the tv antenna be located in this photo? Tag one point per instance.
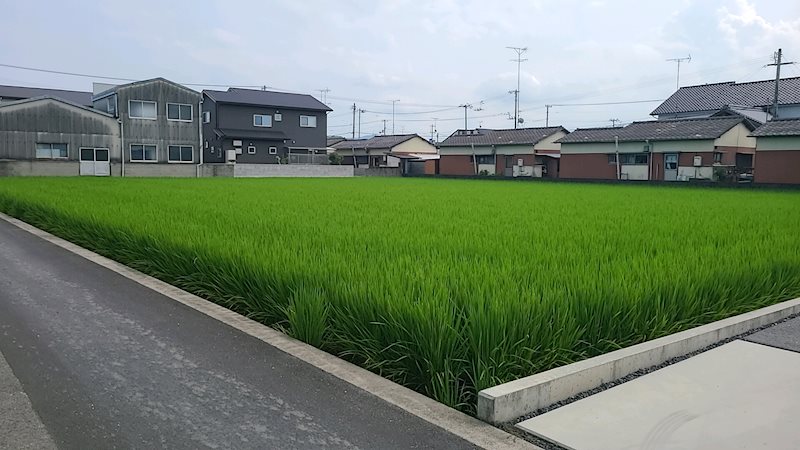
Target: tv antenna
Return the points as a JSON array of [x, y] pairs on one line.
[[688, 59]]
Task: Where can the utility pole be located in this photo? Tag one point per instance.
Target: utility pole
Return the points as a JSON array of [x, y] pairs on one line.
[[613, 122], [547, 115], [434, 131], [519, 60], [360, 111], [465, 106], [323, 93], [354, 120], [384, 127], [393, 102], [688, 59], [778, 63]]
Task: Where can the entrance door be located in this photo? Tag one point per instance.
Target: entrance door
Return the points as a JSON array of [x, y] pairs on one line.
[[95, 162], [670, 166]]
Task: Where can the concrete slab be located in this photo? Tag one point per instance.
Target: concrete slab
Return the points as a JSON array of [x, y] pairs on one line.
[[785, 335], [737, 396]]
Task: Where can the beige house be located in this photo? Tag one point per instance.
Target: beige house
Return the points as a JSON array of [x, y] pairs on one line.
[[385, 151]]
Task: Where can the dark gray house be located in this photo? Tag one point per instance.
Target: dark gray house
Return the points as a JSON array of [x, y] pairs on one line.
[[15, 93], [52, 136], [160, 123], [256, 126]]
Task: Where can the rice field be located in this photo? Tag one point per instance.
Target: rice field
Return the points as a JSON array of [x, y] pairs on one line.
[[445, 286]]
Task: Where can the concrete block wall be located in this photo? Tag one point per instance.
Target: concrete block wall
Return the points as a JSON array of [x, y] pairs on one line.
[[290, 170], [159, 170], [31, 168], [378, 172]]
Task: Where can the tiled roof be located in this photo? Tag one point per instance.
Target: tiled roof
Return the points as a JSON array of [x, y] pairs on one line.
[[659, 130], [22, 92], [334, 139], [377, 142], [485, 136], [782, 127], [708, 97], [267, 98]]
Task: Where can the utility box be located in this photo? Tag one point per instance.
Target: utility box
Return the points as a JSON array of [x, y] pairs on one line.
[[230, 156], [698, 161]]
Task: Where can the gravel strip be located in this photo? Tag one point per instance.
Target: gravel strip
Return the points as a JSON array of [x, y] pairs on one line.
[[510, 427]]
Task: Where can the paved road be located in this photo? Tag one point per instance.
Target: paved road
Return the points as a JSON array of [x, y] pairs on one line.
[[108, 363]]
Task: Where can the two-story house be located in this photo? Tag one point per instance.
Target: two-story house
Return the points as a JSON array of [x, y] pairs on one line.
[[263, 127], [159, 124]]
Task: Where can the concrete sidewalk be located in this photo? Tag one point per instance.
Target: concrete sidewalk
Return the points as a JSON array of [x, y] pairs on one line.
[[741, 395]]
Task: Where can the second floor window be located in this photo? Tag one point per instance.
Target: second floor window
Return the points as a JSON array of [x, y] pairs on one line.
[[308, 121], [262, 120], [179, 111], [139, 109]]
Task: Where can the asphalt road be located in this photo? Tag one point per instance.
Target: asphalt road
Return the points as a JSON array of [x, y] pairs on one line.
[[108, 363]]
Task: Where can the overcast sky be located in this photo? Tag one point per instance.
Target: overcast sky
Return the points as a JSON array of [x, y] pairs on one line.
[[431, 55]]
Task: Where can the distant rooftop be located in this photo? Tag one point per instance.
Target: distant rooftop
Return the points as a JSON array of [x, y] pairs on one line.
[[376, 142], [709, 97], [259, 97], [781, 127], [486, 136], [10, 93], [659, 130]]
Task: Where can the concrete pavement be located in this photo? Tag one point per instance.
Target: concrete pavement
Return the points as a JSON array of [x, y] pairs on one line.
[[742, 395], [108, 363]]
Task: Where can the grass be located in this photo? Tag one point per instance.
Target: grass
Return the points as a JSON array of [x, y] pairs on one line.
[[445, 286]]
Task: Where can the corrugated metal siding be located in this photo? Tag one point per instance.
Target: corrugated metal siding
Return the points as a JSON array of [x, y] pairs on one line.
[[49, 121]]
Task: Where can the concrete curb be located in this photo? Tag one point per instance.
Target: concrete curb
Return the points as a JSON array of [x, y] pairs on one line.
[[466, 427], [506, 402]]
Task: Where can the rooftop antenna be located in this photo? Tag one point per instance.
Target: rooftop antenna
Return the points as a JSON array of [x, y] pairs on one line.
[[323, 93], [613, 122], [688, 59]]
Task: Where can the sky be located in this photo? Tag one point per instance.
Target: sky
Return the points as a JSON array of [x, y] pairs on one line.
[[432, 56]]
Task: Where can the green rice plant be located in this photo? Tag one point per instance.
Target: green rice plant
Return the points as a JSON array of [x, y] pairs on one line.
[[445, 286]]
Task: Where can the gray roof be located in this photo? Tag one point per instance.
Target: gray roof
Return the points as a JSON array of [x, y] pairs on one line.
[[258, 97], [116, 88], [334, 140], [269, 135], [56, 99], [22, 92], [486, 136], [708, 97], [376, 142], [756, 115], [781, 127], [660, 130]]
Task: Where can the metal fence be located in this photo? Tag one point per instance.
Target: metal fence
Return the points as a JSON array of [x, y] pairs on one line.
[[308, 159]]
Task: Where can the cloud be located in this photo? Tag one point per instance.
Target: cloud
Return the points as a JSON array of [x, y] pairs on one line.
[[745, 29]]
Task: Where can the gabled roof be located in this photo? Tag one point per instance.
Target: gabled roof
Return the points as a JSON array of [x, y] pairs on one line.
[[709, 97], [258, 97], [486, 136], [334, 140], [23, 92], [660, 130], [376, 142], [754, 114], [59, 100], [781, 127], [114, 89]]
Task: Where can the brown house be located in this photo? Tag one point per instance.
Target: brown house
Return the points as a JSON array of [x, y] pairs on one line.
[[667, 150], [522, 152], [778, 152]]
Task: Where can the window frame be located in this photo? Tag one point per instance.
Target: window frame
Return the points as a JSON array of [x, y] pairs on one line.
[[51, 157], [717, 157], [191, 112], [273, 150], [307, 117], [155, 109], [251, 149], [262, 120], [144, 152], [180, 154]]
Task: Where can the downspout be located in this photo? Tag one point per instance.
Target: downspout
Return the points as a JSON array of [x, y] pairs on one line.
[[474, 158], [616, 149], [122, 145], [201, 150]]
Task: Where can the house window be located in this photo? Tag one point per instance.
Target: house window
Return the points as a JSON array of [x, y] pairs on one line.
[[484, 159], [632, 158], [179, 112], [143, 153], [308, 121], [612, 159], [206, 116], [273, 150], [139, 109], [251, 150], [262, 120], [51, 151], [181, 154], [717, 157]]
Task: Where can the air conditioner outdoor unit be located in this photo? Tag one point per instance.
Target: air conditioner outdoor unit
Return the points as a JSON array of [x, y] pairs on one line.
[[230, 156]]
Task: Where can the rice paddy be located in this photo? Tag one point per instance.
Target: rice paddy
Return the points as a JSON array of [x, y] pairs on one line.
[[445, 286]]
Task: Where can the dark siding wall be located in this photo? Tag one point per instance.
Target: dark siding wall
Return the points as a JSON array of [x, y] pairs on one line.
[[213, 152], [161, 132], [49, 121], [587, 166], [240, 117], [262, 155], [456, 165]]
